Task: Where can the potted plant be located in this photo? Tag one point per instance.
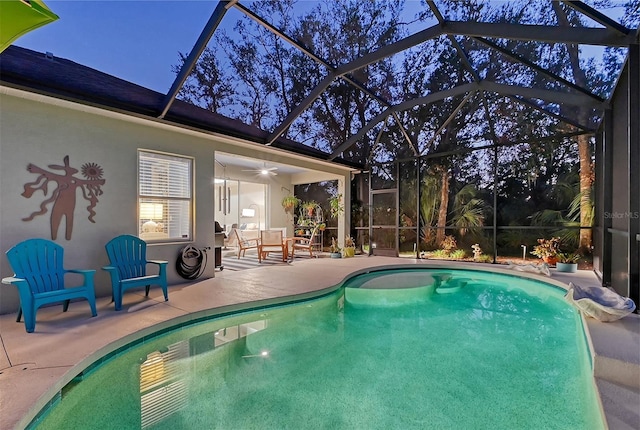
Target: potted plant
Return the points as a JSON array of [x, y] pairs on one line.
[[336, 207], [334, 249], [567, 262], [309, 207], [548, 250], [289, 203], [349, 247]]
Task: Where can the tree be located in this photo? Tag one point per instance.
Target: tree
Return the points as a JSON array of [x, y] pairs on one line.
[[584, 143]]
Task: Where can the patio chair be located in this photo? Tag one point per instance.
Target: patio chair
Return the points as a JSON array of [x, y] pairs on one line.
[[305, 243], [244, 244], [40, 279], [128, 267], [271, 241]]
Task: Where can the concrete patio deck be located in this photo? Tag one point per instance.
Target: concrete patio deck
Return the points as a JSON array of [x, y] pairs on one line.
[[34, 366]]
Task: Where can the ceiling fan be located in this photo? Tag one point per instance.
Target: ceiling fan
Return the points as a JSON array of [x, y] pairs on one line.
[[264, 170]]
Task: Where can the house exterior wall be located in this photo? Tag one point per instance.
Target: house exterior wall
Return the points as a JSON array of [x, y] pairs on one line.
[[42, 131]]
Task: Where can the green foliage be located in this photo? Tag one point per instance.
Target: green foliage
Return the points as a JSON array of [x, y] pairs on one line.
[[336, 207], [290, 202], [468, 209], [308, 210], [334, 247], [349, 242], [429, 203], [484, 258], [547, 247], [449, 244], [458, 254], [568, 257]]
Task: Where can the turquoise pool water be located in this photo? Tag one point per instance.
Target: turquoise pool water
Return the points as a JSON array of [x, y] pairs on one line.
[[408, 349]]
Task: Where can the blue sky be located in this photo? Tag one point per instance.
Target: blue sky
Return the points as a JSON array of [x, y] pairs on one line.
[[137, 41]]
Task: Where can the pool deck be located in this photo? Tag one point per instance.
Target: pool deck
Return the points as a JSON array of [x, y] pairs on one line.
[[34, 366]]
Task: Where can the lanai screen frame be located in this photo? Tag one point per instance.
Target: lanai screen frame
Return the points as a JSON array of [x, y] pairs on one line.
[[612, 34]]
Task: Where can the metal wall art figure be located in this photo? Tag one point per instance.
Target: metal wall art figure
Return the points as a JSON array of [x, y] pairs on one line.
[[64, 194]]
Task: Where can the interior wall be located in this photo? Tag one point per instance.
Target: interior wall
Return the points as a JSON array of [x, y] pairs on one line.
[[272, 215]]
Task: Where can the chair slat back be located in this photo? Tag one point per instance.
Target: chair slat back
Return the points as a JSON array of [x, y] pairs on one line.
[[243, 241], [271, 237], [129, 255], [40, 263]]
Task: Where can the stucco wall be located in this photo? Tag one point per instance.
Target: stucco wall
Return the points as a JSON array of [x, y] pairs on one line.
[[36, 131]]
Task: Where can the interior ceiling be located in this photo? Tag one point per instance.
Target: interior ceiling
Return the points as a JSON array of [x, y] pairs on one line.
[[475, 94]]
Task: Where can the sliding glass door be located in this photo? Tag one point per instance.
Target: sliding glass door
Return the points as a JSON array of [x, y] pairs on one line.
[[240, 204], [226, 203]]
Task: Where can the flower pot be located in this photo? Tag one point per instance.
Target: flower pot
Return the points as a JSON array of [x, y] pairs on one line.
[[335, 255], [567, 267], [349, 252], [551, 261]]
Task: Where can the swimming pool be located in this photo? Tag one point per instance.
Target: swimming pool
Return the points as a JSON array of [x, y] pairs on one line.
[[416, 348]]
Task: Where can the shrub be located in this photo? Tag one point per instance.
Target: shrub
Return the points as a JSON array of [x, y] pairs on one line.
[[449, 244]]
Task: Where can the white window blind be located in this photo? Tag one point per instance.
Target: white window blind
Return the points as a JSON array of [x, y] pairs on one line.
[[165, 196]]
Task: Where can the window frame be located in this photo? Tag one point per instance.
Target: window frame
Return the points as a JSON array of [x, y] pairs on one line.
[[168, 201]]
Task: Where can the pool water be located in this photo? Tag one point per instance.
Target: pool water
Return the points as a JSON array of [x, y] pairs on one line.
[[412, 349]]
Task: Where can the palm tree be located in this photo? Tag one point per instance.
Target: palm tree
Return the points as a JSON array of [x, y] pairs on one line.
[[468, 209]]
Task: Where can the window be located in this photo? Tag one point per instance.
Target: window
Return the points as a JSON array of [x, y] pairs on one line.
[[165, 196]]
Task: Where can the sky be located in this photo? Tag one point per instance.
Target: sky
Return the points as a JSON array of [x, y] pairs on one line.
[[137, 40]]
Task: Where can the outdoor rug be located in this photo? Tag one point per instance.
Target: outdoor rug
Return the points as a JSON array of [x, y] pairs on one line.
[[249, 261]]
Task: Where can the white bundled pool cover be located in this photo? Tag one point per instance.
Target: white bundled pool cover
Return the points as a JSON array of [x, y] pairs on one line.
[[542, 269], [600, 303]]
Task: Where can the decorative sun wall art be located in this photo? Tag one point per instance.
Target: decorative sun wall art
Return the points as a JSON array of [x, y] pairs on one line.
[[64, 194]]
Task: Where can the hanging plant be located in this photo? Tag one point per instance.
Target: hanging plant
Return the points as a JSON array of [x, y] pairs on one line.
[[289, 203]]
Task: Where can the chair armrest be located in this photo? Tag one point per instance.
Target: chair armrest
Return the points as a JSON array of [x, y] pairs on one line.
[[26, 296], [113, 272], [12, 280], [162, 268], [88, 274], [81, 271], [158, 262]]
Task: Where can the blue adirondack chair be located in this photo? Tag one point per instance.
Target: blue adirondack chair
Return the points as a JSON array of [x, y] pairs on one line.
[[128, 267], [39, 277]]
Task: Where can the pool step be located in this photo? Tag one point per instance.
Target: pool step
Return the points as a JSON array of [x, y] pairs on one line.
[[616, 368], [619, 404], [616, 346], [452, 285]]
